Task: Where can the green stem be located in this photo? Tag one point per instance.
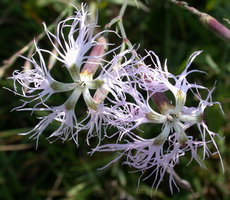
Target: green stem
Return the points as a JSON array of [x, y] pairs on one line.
[[123, 8]]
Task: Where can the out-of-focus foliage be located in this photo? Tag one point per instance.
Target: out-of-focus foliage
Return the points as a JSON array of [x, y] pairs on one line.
[[63, 171]]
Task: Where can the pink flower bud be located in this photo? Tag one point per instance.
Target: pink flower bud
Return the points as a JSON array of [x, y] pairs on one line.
[[94, 61], [215, 26]]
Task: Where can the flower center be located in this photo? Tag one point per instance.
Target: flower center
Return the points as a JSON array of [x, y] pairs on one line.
[[172, 117]]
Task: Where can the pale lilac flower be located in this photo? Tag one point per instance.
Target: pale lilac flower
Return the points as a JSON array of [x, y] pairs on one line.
[[162, 152], [82, 53]]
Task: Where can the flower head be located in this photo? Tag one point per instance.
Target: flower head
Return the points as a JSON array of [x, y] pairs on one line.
[[93, 78], [162, 152]]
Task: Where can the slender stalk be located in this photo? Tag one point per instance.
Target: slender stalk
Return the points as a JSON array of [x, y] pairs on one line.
[[123, 8]]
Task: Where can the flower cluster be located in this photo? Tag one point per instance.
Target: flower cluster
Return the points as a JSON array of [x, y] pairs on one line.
[[118, 93]]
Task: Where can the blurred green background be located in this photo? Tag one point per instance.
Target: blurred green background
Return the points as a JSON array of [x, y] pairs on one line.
[[63, 171]]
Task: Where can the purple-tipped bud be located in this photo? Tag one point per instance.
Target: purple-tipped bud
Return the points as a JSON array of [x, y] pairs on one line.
[[208, 21], [215, 26]]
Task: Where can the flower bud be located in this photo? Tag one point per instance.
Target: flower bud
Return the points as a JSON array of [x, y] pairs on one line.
[[92, 64], [161, 101], [215, 26]]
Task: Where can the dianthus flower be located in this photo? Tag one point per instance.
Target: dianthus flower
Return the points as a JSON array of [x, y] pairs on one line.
[[161, 153], [82, 53]]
